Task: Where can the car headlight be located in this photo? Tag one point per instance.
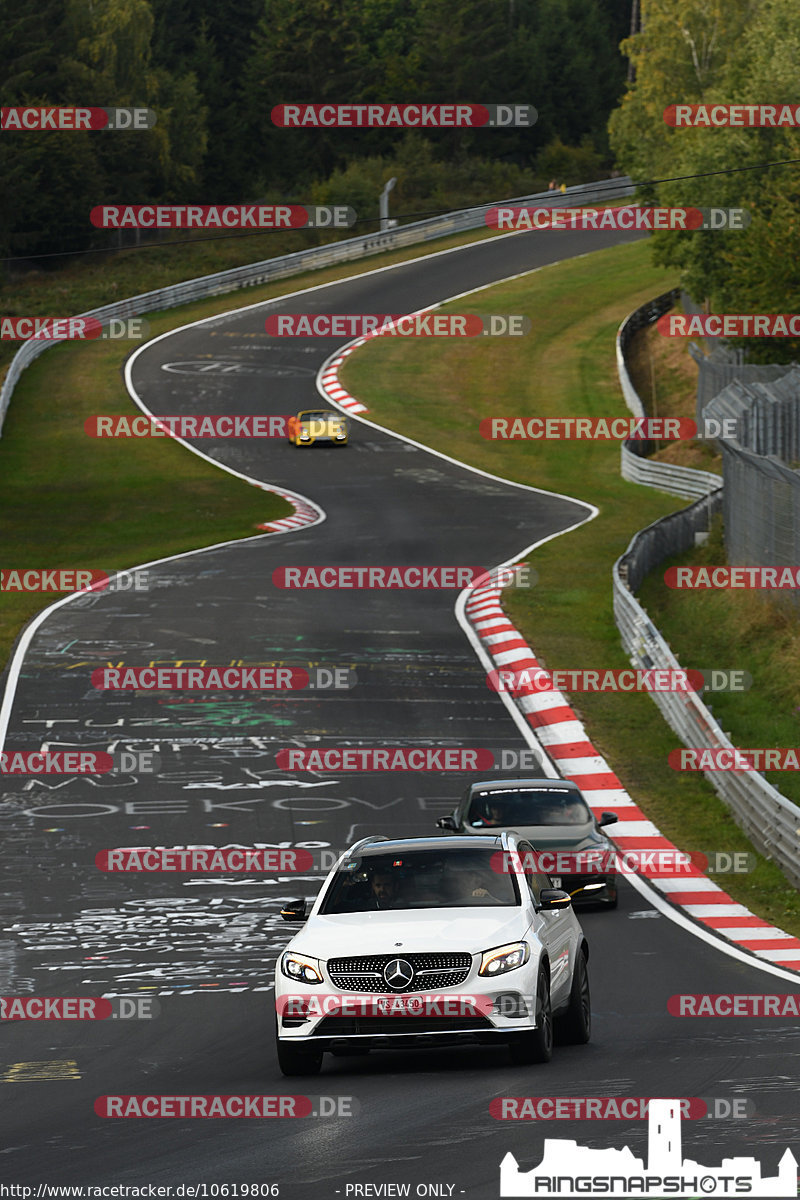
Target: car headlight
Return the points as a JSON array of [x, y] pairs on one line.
[[504, 958], [340, 433], [301, 968], [304, 435]]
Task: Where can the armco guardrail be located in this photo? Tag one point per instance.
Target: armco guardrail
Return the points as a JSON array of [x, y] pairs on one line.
[[634, 465], [768, 818], [314, 259], [667, 477]]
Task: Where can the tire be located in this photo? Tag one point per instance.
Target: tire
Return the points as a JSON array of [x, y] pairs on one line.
[[575, 1027], [536, 1045], [298, 1059]]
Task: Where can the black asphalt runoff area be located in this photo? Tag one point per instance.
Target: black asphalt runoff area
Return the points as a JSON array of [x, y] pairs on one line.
[[204, 947]]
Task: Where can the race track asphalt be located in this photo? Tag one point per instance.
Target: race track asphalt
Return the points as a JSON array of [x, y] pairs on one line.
[[205, 947]]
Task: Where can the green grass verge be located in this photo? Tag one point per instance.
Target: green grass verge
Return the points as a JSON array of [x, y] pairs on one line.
[[438, 392], [740, 630], [70, 501], [97, 279]]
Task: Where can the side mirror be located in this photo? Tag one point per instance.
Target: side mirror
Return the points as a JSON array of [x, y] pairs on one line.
[[447, 823], [554, 898], [295, 910], [608, 818]]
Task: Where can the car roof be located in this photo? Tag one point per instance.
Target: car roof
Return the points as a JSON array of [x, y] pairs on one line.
[[448, 844], [490, 785]]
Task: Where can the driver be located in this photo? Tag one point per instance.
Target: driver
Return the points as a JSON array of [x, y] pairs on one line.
[[493, 814], [383, 888]]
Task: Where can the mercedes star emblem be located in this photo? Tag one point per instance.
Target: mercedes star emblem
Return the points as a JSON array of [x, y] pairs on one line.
[[398, 973]]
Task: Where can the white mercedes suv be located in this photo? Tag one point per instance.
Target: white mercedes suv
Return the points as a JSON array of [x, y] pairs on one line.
[[432, 940]]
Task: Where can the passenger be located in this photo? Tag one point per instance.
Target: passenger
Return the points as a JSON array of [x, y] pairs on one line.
[[470, 884]]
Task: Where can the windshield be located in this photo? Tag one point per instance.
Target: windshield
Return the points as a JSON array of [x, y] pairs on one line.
[[318, 416], [510, 808], [419, 879]]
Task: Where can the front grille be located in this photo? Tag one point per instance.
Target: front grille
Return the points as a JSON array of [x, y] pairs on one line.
[[364, 1026], [431, 972]]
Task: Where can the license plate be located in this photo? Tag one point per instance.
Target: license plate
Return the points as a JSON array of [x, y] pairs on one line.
[[555, 880]]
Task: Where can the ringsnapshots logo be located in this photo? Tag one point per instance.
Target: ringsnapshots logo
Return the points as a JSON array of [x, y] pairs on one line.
[[75, 120], [415, 325], [404, 116], [221, 216], [630, 217], [567, 1169], [68, 329], [401, 577], [71, 579]]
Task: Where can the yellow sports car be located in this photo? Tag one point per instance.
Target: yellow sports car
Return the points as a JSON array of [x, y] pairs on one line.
[[316, 425]]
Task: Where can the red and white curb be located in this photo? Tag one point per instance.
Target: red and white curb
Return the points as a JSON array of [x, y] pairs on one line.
[[305, 512], [328, 380], [565, 740]]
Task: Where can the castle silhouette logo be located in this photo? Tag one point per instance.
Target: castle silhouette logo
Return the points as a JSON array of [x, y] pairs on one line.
[[568, 1169]]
